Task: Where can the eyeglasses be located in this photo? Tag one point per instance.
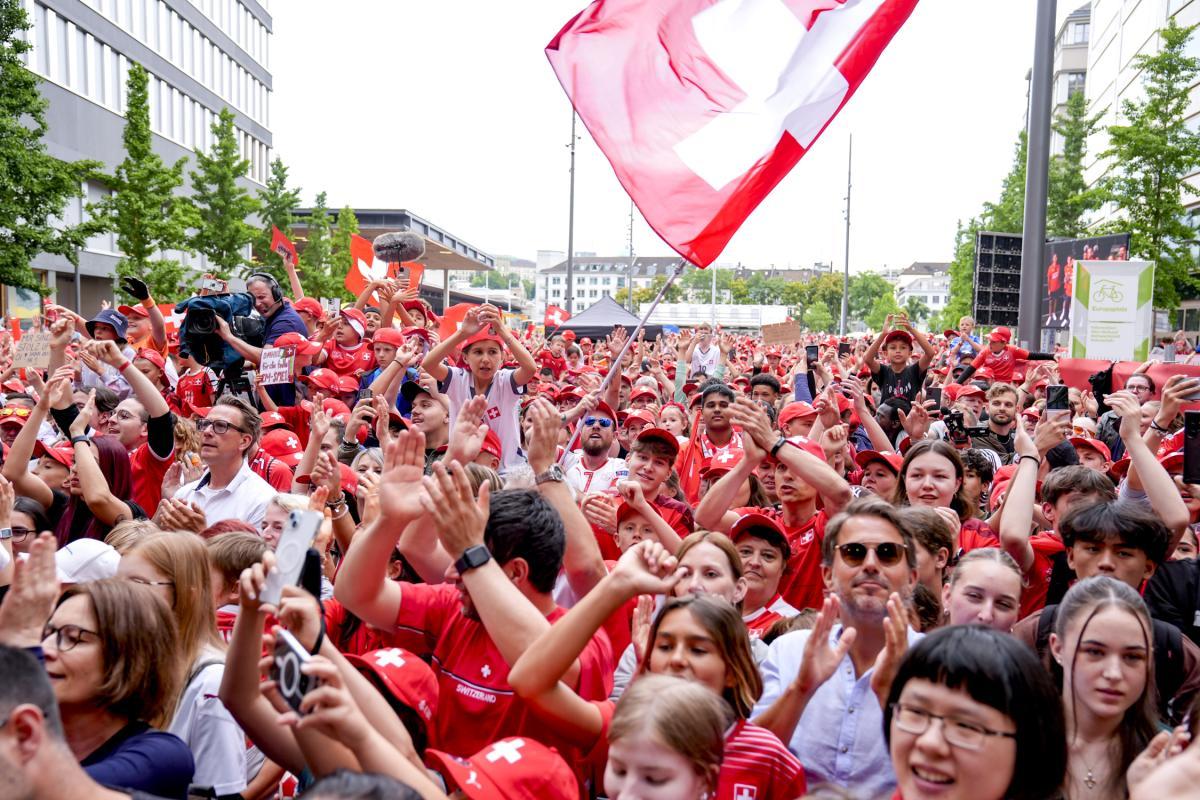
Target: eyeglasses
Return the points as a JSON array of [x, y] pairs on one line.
[[19, 533], [887, 553], [14, 411], [957, 732], [66, 636], [220, 427], [144, 582], [603, 422], [124, 414]]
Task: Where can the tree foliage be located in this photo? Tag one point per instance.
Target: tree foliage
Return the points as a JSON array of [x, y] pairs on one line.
[[916, 308], [223, 205], [884, 304], [1068, 200], [276, 203], [342, 261], [1151, 154], [144, 210], [35, 187], [962, 275], [315, 259], [865, 288]]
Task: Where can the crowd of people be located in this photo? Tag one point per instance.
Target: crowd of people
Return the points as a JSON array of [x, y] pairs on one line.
[[551, 566]]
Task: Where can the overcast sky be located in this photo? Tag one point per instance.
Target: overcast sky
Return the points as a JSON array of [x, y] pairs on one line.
[[450, 109]]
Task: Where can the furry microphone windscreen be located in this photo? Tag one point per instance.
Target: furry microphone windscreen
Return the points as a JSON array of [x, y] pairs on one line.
[[397, 248]]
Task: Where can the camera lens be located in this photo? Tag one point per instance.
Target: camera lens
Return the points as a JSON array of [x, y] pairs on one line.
[[202, 321]]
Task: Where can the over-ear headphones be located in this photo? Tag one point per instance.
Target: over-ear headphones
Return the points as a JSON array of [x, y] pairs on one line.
[[269, 279]]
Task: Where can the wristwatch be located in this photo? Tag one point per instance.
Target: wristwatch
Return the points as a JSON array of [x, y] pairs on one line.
[[5, 533], [778, 446], [473, 557], [553, 475]]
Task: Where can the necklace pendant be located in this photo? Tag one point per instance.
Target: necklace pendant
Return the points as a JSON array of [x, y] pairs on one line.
[[1089, 781]]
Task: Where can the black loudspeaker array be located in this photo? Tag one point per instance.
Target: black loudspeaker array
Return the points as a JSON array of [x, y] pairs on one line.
[[997, 278]]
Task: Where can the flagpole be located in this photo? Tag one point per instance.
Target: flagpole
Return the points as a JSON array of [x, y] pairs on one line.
[[570, 293], [614, 369], [846, 274]]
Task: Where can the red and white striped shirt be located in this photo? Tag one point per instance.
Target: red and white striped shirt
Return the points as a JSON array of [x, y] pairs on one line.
[[757, 766]]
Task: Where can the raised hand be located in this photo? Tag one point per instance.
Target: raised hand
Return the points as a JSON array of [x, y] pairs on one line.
[[600, 510], [469, 431], [821, 657], [401, 487], [81, 421], [887, 663], [753, 421], [30, 600], [542, 437], [458, 515], [1126, 405], [631, 493], [833, 440], [61, 332], [648, 568]]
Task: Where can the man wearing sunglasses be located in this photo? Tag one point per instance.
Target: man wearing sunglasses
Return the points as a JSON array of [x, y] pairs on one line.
[[229, 489], [818, 697], [593, 470]]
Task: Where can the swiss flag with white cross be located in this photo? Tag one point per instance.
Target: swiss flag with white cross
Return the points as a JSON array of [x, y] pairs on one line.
[[703, 106]]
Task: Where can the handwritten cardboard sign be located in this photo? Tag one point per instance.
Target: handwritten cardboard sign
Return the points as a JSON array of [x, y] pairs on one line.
[[781, 333], [33, 350], [276, 365]]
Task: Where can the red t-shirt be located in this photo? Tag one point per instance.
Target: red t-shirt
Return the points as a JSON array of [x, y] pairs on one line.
[[757, 765], [349, 361], [225, 622], [196, 388], [476, 706], [801, 585], [556, 363], [1036, 583], [1053, 277], [272, 470], [1001, 364], [975, 534], [148, 471]]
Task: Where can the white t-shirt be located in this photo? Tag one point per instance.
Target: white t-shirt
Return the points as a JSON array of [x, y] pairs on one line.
[[600, 481], [705, 360], [503, 409], [210, 731], [245, 497]]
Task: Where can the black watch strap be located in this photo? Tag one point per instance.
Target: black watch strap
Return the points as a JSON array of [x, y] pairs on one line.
[[778, 446], [472, 558]]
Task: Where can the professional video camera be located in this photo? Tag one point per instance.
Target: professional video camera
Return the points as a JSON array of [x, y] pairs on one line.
[[199, 337]]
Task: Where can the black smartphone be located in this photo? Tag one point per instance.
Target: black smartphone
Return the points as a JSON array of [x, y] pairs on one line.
[[934, 393], [1058, 402], [813, 353], [645, 365], [290, 656], [1191, 447], [843, 349]]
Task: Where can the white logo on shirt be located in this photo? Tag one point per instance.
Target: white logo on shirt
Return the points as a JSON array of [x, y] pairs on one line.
[[485, 671]]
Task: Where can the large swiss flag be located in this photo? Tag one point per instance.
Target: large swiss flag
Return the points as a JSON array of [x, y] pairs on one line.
[[702, 106]]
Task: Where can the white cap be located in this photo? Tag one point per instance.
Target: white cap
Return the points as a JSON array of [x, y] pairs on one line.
[[86, 560]]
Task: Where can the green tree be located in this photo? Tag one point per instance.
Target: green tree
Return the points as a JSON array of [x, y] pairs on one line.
[[1151, 154], [222, 233], [276, 203], [1068, 199], [144, 210], [916, 308], [865, 288], [342, 261], [315, 260], [817, 318], [962, 275], [884, 304], [1008, 214], [34, 186]]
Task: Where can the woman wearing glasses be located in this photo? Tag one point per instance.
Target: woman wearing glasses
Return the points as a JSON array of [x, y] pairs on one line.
[[28, 519], [104, 652], [968, 705], [175, 566]]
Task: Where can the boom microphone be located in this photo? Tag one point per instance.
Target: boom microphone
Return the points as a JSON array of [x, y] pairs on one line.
[[397, 248]]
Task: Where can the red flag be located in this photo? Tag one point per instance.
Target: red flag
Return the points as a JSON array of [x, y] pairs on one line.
[[703, 106], [283, 246], [453, 317], [364, 267], [555, 316], [689, 463]]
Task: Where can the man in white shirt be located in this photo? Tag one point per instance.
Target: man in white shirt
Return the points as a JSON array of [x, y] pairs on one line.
[[591, 470], [704, 355], [229, 489]]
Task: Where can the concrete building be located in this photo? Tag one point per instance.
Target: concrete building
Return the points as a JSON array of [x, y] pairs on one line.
[[1070, 63], [595, 277], [926, 280], [202, 56]]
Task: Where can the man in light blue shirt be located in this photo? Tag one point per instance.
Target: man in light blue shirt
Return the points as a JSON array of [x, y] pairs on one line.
[[822, 696]]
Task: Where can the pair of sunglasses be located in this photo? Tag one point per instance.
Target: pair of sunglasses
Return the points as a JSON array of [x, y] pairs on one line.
[[887, 553]]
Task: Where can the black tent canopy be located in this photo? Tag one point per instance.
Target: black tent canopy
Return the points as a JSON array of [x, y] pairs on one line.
[[601, 317]]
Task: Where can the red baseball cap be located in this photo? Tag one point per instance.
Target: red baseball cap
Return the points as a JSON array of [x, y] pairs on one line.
[[762, 527], [63, 455], [808, 446], [1001, 334], [273, 419], [153, 356], [391, 336], [408, 678], [653, 434], [283, 444], [514, 768], [605, 409], [569, 393], [903, 336], [491, 444], [639, 414], [14, 415], [721, 463], [643, 391], [968, 390], [1095, 444], [323, 378], [347, 384], [485, 334], [422, 332], [334, 407], [310, 305], [134, 311], [797, 409], [893, 460], [303, 345], [357, 320]]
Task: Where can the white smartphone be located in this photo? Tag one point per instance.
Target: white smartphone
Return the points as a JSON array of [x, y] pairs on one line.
[[289, 553]]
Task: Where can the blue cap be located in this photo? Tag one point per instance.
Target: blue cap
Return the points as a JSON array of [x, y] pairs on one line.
[[109, 316]]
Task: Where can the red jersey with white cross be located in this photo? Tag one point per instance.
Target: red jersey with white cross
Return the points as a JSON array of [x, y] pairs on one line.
[[1001, 364], [801, 585], [350, 361], [476, 706], [197, 388], [757, 766]]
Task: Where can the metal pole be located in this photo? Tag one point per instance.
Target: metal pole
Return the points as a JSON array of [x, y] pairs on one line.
[[846, 274], [1033, 239], [570, 293], [714, 298], [629, 280]]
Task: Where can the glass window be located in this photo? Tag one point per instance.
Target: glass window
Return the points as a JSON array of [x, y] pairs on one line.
[[41, 49], [61, 63], [177, 99]]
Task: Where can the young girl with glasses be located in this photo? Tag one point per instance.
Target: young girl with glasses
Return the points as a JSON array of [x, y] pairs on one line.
[[967, 706]]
